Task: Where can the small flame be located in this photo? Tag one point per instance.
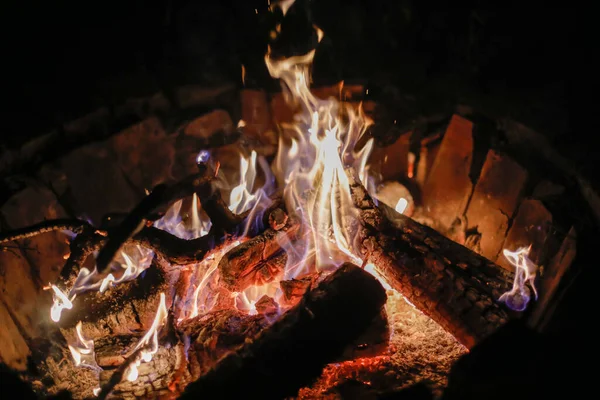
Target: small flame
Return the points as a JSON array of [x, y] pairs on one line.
[[518, 297], [175, 224], [243, 196], [284, 5], [203, 157], [401, 205], [148, 343], [246, 300], [83, 350], [96, 391], [60, 302], [127, 266]]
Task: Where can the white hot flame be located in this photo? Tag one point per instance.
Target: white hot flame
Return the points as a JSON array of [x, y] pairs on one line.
[[127, 266], [518, 297], [195, 225], [83, 350], [401, 205], [149, 343], [310, 165]]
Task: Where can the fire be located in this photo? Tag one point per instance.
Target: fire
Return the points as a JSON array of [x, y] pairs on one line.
[[148, 345], [311, 162], [401, 205], [518, 297], [128, 266], [83, 350], [243, 194], [173, 222]]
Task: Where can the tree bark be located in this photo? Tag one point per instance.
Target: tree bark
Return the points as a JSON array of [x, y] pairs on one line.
[[454, 286], [293, 351]]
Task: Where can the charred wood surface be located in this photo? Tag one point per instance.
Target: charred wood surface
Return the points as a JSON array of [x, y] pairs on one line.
[[258, 260], [456, 287], [293, 351]]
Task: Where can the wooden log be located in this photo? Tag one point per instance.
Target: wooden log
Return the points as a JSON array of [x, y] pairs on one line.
[[241, 265], [456, 287], [293, 351]]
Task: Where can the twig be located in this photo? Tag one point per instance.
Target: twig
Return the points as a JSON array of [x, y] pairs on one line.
[[73, 225]]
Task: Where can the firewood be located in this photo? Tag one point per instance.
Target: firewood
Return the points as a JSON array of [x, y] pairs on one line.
[[293, 351], [454, 286], [241, 266]]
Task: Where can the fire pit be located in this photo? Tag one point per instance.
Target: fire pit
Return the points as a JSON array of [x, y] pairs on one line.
[[290, 254]]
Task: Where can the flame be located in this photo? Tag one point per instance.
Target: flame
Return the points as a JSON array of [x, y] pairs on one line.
[[127, 266], [83, 350], [149, 343], [310, 166], [401, 205], [174, 223], [203, 297], [243, 195], [246, 300], [518, 297]]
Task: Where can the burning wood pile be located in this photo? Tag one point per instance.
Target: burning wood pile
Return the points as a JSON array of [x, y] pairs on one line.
[[268, 279]]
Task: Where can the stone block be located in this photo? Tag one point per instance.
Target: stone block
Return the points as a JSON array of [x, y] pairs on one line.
[[448, 187], [19, 291], [92, 124], [144, 153], [494, 201], [531, 226], [97, 184], [45, 252], [13, 348]]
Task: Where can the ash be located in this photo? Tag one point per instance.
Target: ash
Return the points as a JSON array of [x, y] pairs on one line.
[[420, 351]]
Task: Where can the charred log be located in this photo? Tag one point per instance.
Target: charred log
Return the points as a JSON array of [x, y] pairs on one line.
[[258, 260], [312, 334], [456, 287]]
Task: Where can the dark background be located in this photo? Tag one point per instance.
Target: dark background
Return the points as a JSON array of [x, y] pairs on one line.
[[524, 59]]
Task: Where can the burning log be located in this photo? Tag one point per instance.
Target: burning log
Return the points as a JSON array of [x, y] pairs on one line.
[[456, 287], [312, 334], [242, 265]]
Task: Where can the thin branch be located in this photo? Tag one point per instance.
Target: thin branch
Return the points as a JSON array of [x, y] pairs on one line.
[[67, 224]]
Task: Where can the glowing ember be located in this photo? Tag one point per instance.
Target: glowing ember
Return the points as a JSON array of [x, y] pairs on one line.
[[518, 297], [148, 345], [83, 350]]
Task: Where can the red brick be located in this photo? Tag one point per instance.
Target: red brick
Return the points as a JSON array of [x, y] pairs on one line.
[[45, 252], [448, 187], [494, 201], [13, 348], [531, 226]]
